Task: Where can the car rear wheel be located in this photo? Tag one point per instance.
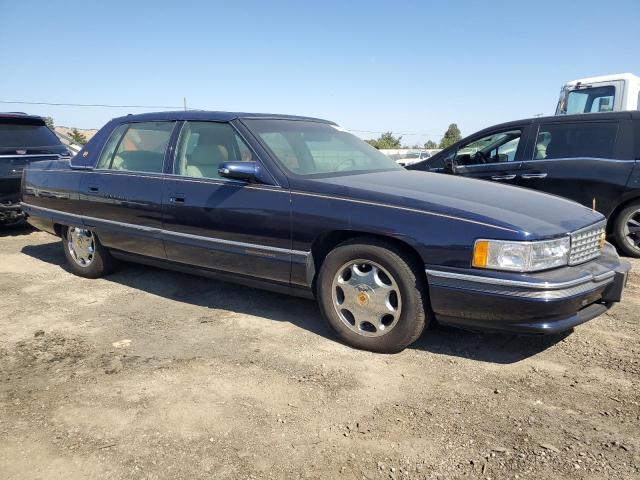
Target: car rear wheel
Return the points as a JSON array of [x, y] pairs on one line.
[[373, 295], [84, 253], [627, 230]]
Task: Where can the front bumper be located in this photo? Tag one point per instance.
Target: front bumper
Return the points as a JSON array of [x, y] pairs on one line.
[[536, 303]]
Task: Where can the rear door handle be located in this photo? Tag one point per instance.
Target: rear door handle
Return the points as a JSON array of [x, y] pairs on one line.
[[93, 189], [503, 177], [533, 175], [178, 198]]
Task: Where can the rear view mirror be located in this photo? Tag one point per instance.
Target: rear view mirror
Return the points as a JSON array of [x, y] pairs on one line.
[[245, 171]]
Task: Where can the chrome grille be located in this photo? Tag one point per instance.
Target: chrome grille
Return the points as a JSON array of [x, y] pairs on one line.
[[586, 244]]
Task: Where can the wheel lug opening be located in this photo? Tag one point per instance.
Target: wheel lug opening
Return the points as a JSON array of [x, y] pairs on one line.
[[345, 275], [363, 268], [339, 295], [392, 300], [384, 278], [387, 320], [349, 316], [368, 327]]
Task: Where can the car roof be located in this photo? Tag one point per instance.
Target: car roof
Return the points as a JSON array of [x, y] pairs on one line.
[[580, 117], [210, 116], [21, 115]]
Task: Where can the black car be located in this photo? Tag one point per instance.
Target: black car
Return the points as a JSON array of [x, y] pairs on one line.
[[301, 206], [592, 159], [23, 139]]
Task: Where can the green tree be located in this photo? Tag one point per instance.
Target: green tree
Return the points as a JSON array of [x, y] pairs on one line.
[[77, 137], [386, 140], [48, 121], [430, 144], [451, 136]]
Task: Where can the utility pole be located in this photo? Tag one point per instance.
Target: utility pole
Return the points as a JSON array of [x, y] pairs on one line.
[[184, 100]]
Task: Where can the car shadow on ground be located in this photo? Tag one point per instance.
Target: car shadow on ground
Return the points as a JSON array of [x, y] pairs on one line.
[[213, 294], [15, 230]]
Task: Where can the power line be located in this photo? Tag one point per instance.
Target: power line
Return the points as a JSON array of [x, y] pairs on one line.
[[397, 133], [90, 105], [175, 107]]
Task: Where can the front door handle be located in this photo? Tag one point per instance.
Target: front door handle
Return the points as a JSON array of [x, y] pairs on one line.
[[93, 189], [178, 199], [533, 175], [503, 177]]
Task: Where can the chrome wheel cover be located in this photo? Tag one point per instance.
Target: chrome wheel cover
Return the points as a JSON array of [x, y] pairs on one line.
[[632, 230], [366, 297], [81, 245]]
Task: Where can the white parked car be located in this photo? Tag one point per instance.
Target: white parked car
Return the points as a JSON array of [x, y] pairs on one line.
[[411, 158]]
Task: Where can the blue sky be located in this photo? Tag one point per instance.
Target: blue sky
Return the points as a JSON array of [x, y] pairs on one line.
[[405, 66]]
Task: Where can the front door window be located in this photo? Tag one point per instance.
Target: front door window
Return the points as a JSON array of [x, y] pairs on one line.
[[495, 148], [203, 146]]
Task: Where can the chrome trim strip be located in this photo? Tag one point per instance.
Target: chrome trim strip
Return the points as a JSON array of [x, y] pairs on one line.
[[171, 232], [35, 155], [518, 164], [170, 176], [397, 207], [234, 243], [599, 159], [515, 283], [604, 276], [593, 226]]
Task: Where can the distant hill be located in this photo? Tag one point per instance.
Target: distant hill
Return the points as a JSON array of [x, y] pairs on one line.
[[65, 132]]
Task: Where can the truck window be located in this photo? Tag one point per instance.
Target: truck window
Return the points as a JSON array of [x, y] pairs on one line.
[[204, 146], [494, 148], [589, 100], [571, 140], [140, 149]]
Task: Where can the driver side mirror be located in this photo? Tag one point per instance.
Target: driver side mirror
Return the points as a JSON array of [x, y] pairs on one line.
[[245, 171]]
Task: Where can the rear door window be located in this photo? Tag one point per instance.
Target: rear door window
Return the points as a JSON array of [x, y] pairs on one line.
[[572, 140], [137, 147]]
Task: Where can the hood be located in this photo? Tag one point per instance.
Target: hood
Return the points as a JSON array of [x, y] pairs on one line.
[[528, 213]]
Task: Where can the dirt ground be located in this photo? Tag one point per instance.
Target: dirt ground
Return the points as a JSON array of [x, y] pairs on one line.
[[159, 375]]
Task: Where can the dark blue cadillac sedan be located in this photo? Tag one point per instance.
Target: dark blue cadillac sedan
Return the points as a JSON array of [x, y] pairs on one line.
[[300, 206]]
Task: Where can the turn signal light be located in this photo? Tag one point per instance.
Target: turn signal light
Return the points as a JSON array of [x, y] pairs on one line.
[[481, 254]]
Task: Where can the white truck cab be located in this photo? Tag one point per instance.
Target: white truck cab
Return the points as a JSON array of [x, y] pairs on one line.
[[607, 93]]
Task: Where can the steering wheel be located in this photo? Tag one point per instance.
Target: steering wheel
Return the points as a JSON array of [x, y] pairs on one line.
[[345, 164], [481, 157]]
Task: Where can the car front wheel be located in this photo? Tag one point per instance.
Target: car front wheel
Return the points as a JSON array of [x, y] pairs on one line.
[[627, 230], [373, 295], [84, 253]]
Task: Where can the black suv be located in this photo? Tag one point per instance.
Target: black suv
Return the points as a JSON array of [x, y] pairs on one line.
[[590, 158], [23, 139]]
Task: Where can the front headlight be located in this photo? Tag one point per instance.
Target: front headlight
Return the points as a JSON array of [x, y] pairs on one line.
[[521, 256]]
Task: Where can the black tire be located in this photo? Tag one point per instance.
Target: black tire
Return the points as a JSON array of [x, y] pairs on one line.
[[102, 263], [626, 215], [408, 279]]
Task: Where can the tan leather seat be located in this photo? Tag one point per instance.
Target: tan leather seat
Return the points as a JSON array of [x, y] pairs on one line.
[[204, 161], [212, 149]]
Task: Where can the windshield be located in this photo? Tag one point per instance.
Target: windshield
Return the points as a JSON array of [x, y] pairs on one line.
[[587, 100], [26, 133], [311, 148]]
